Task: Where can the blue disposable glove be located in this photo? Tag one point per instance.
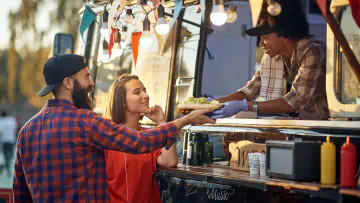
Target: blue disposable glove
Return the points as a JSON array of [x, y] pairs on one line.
[[209, 99], [230, 108]]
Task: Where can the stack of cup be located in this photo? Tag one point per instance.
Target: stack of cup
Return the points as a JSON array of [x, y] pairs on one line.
[[254, 163], [262, 161], [257, 164]]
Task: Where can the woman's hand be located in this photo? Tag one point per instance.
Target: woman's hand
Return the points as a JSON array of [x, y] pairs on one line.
[[155, 114]]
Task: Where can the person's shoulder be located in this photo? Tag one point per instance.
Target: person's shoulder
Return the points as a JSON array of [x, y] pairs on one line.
[[85, 115], [311, 46], [311, 43], [34, 119]]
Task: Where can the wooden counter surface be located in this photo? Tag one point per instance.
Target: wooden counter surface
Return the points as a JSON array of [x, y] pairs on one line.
[[214, 173]]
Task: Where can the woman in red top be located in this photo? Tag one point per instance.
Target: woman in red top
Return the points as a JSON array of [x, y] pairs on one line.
[[131, 178]]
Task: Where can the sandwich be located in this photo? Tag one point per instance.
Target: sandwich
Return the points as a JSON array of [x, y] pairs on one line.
[[197, 103]]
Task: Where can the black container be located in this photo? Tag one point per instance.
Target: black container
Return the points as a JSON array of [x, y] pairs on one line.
[[197, 149], [208, 151]]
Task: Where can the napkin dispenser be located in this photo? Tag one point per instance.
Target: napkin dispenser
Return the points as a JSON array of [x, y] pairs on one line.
[[294, 160]]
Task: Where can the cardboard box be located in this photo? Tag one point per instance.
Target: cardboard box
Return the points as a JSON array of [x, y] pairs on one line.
[[239, 153]]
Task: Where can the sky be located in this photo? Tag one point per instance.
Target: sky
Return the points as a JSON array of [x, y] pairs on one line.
[[5, 7]]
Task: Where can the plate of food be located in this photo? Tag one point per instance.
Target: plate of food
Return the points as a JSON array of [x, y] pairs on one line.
[[198, 103]]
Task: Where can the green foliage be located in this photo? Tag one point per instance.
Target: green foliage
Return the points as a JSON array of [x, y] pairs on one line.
[[21, 64]]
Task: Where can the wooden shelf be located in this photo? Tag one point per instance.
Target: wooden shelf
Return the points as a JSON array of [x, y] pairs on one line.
[[225, 175], [350, 192], [225, 172]]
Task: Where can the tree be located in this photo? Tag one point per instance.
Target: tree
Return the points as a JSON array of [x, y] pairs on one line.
[[30, 47]]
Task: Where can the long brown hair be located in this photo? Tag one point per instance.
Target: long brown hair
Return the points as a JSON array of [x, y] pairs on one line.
[[115, 107]]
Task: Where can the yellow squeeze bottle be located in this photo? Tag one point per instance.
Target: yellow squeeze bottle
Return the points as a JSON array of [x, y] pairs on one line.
[[328, 163]]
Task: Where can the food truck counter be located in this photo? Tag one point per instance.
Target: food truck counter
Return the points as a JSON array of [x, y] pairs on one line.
[[220, 182]]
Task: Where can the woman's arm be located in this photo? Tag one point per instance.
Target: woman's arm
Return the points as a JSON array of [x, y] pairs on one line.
[[168, 158]]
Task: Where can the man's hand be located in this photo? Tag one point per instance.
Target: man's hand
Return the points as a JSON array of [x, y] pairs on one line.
[[231, 108], [155, 114], [197, 117]]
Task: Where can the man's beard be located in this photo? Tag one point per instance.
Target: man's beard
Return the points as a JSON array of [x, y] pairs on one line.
[[81, 96]]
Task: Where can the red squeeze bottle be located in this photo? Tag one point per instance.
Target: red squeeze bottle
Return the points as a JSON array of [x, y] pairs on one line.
[[348, 164]]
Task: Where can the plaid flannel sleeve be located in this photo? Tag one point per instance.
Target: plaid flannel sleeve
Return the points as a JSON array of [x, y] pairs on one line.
[[252, 88], [21, 191], [305, 82], [104, 133]]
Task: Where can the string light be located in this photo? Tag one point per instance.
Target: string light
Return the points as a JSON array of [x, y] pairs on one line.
[[105, 54], [231, 14], [146, 40], [128, 17], [273, 8], [218, 15], [104, 31], [162, 28], [116, 50]]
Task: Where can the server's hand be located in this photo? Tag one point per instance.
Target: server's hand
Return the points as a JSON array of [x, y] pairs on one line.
[[231, 108], [209, 99]]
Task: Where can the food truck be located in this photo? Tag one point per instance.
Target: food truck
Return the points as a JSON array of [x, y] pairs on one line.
[[197, 58]]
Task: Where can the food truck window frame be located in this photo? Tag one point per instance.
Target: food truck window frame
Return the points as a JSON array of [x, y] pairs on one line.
[[345, 76], [337, 109]]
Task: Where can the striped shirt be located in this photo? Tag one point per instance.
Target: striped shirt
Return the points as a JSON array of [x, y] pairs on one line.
[[60, 153], [268, 81]]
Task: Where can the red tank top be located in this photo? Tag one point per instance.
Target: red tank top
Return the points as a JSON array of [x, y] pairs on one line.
[[131, 178]]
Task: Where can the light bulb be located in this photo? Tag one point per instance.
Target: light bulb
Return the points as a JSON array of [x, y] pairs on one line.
[[104, 31], [231, 14], [116, 52], [162, 28], [123, 45], [274, 8], [128, 17], [104, 56], [146, 42], [218, 16]]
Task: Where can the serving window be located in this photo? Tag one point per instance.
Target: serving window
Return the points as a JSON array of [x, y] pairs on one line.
[[347, 84]]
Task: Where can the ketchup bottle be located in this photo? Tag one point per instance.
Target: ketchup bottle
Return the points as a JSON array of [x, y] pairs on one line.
[[348, 164]]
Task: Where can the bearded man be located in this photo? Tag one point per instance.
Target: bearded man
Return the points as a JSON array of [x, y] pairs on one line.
[[60, 151]]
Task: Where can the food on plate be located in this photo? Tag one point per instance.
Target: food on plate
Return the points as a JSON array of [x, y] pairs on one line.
[[197, 103]]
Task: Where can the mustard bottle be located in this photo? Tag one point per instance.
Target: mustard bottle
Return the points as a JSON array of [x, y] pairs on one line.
[[328, 163]]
